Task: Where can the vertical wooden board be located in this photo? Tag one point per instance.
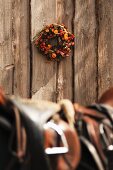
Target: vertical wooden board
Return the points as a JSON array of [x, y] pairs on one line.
[[6, 59], [85, 58], [44, 72], [105, 45], [65, 11], [6, 80], [20, 47]]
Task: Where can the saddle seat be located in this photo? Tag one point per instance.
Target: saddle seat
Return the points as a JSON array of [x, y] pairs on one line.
[[29, 140]]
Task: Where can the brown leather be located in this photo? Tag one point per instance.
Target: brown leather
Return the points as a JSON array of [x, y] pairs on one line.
[[2, 98], [108, 135], [21, 141], [107, 97], [94, 119], [70, 160], [21, 136], [66, 161], [87, 111], [94, 132]]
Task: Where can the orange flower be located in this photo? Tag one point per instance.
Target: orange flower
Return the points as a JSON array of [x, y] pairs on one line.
[[65, 36], [56, 31], [49, 46], [53, 55]]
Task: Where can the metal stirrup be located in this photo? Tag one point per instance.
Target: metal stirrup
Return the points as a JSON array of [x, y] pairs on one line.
[[57, 150]]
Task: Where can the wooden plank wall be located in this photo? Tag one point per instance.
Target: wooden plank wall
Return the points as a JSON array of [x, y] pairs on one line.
[[6, 59], [14, 47], [44, 72], [65, 12], [93, 56], [85, 59], [82, 77], [51, 80], [105, 45]]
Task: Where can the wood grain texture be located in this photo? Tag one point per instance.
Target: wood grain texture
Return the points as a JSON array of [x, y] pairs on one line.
[[105, 45], [6, 59], [85, 52], [90, 70], [20, 47], [65, 11], [44, 72]]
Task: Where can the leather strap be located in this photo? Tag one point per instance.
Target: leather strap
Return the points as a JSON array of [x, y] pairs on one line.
[[70, 160], [105, 109], [88, 111], [93, 153], [93, 131], [34, 133]]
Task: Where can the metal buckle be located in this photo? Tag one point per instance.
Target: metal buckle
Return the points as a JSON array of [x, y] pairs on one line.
[[57, 150]]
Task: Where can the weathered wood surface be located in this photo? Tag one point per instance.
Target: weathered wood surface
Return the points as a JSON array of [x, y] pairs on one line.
[[14, 47], [6, 59], [82, 77], [85, 56], [65, 11], [20, 47], [105, 45], [43, 72]]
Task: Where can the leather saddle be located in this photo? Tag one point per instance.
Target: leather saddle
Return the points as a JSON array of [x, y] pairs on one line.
[[37, 135], [95, 126], [48, 136]]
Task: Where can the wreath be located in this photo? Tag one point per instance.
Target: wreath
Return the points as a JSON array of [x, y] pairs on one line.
[[54, 41]]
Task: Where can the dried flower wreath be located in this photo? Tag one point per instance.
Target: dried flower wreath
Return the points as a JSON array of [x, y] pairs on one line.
[[54, 41]]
